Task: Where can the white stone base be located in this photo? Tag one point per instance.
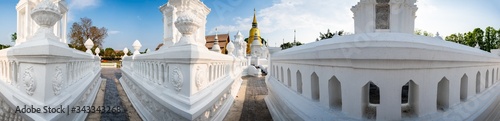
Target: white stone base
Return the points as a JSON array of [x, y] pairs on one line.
[[152, 104], [286, 104]]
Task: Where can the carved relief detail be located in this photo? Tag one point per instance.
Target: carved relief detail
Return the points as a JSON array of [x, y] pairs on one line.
[[57, 83], [200, 78], [176, 79], [29, 80]]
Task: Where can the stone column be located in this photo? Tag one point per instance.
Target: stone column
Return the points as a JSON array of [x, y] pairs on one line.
[[425, 101], [390, 102], [354, 99]]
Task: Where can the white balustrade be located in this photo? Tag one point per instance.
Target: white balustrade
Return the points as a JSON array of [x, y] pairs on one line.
[[183, 81], [45, 72]]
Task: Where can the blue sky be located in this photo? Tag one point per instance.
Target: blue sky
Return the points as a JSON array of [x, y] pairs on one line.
[[128, 20]]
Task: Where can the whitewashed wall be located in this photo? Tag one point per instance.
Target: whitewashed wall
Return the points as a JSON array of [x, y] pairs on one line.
[[335, 74]]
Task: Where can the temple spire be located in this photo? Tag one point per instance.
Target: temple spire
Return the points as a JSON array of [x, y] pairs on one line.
[[294, 36], [254, 23], [216, 40], [216, 47]]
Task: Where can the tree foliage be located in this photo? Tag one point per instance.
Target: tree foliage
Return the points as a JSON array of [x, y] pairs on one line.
[[109, 54], [487, 39], [424, 33], [329, 34], [4, 46], [13, 37], [83, 30], [290, 45]]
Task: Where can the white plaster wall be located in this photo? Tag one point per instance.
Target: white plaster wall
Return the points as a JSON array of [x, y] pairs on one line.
[[389, 63], [390, 87]]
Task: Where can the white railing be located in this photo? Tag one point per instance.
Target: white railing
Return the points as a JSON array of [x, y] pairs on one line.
[[43, 72], [445, 81], [202, 88]]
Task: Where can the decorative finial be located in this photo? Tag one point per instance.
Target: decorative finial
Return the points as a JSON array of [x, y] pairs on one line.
[[216, 37], [125, 50], [137, 45], [437, 36], [216, 47], [294, 36], [97, 51], [89, 44]]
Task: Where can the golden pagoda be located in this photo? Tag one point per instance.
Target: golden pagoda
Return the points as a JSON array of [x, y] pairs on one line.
[[254, 31]]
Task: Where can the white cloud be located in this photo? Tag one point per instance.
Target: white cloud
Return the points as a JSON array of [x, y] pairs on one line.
[[113, 32], [82, 4], [308, 17]]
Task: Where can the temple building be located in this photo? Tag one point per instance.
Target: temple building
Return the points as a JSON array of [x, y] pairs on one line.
[[254, 31], [26, 27], [222, 40]]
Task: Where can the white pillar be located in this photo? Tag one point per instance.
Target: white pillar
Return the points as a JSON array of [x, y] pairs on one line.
[[390, 102], [426, 98], [454, 91], [354, 99]]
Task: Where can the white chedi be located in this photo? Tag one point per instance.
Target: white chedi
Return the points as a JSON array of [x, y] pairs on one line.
[[216, 47], [239, 44], [230, 48]]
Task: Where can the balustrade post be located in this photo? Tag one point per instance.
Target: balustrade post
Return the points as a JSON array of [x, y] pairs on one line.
[[137, 45], [89, 44]]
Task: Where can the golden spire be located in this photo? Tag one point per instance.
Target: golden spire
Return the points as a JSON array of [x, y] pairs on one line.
[[254, 23]]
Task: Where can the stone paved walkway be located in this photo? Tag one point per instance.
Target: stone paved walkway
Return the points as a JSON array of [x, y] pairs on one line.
[[112, 95], [492, 113], [249, 104]]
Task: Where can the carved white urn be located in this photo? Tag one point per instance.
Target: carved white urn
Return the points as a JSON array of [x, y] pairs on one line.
[[187, 25], [46, 15]]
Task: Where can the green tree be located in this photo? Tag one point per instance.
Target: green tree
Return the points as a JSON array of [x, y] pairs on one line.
[[478, 35], [83, 30], [425, 33], [4, 46], [329, 34], [461, 39], [290, 45], [498, 38], [13, 37], [469, 39], [129, 53], [452, 38], [109, 54], [457, 38], [120, 54], [490, 38]]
